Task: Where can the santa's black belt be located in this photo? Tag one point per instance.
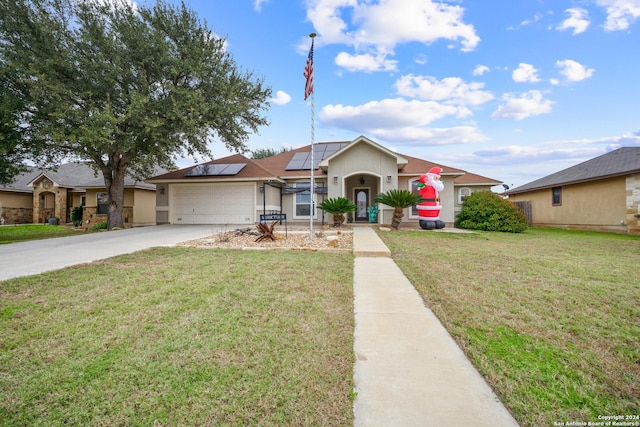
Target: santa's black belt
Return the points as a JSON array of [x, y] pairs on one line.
[[430, 200]]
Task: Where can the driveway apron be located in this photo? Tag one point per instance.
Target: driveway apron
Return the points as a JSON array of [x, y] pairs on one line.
[[38, 256]]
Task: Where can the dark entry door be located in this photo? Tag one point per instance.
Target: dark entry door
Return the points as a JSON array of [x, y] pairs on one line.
[[362, 201]]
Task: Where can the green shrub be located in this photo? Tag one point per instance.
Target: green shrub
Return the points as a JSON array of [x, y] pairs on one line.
[[488, 211], [100, 226], [337, 207], [76, 216]]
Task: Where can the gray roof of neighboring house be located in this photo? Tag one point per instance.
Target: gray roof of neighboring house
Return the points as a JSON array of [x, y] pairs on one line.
[[623, 161], [70, 175]]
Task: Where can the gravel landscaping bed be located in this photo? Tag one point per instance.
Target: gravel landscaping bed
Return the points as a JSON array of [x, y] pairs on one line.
[[324, 238]]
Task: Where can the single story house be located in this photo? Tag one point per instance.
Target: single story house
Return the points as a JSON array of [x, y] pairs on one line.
[[37, 195], [600, 194], [237, 190]]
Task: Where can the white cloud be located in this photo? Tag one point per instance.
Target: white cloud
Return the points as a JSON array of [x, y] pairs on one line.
[[388, 113], [578, 20], [573, 71], [480, 70], [536, 18], [366, 62], [421, 59], [412, 136], [525, 105], [257, 4], [525, 73], [451, 90], [620, 13], [281, 98], [380, 26]]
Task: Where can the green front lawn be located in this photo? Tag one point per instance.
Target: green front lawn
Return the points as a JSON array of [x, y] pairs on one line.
[[19, 233], [551, 318], [181, 337], [226, 337]]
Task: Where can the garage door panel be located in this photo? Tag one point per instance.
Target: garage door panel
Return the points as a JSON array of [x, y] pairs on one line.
[[213, 204]]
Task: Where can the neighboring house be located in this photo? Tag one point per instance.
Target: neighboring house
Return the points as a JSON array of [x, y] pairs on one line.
[[38, 195], [600, 194], [237, 190]]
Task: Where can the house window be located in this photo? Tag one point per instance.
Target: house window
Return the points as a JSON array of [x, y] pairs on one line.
[[415, 190], [303, 199], [103, 203], [556, 196], [463, 193]]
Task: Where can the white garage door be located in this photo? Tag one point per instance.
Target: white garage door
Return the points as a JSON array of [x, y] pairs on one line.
[[212, 204]]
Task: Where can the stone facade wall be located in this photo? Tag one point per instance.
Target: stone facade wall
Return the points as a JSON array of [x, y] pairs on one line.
[[90, 216], [633, 204], [16, 215], [45, 188]]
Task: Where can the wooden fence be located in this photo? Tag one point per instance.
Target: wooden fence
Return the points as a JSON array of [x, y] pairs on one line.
[[525, 207]]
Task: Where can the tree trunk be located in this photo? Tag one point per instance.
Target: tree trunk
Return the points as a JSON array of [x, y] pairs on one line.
[[114, 172], [115, 218], [397, 218]]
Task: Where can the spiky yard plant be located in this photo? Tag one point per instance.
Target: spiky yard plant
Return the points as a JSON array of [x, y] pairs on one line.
[[337, 206], [398, 200]]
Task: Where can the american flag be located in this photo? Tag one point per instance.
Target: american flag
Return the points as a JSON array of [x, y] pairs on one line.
[[308, 74]]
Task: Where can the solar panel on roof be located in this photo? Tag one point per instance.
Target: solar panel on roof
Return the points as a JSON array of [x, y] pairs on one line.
[[302, 161], [217, 169], [298, 161]]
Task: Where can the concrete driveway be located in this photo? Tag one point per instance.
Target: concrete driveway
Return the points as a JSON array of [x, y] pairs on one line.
[[38, 256]]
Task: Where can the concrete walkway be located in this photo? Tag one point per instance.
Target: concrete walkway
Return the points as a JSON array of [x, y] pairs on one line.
[[409, 371]]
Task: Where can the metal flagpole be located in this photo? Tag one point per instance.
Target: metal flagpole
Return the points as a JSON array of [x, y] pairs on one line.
[[310, 80]]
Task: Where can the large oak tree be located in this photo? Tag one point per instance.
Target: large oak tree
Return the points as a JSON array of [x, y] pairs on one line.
[[127, 88]]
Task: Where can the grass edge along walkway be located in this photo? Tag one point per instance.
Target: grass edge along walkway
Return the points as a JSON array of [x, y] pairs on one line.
[[549, 317]]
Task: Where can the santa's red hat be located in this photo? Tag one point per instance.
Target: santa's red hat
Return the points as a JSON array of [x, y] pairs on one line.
[[435, 171]]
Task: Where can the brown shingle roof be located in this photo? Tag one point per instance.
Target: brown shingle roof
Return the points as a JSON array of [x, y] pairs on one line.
[[252, 170], [623, 161], [473, 179], [274, 167], [418, 166]]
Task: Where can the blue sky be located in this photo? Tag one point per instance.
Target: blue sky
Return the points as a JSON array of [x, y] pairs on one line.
[[512, 90]]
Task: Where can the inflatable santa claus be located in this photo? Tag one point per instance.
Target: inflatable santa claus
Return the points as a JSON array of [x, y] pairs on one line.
[[430, 187]]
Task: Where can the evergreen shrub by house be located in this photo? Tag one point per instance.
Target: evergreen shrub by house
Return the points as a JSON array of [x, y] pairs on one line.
[[76, 216], [488, 211], [100, 226], [337, 206]]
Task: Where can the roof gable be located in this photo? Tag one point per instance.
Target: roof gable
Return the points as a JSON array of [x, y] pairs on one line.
[[623, 161], [324, 164]]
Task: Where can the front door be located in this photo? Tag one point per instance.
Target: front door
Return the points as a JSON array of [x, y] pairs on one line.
[[362, 201]]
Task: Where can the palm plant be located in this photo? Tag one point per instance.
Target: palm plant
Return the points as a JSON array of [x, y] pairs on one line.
[[398, 200], [337, 206]]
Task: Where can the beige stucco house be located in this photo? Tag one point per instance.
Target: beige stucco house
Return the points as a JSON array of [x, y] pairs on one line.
[[237, 190], [37, 195], [600, 194]]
